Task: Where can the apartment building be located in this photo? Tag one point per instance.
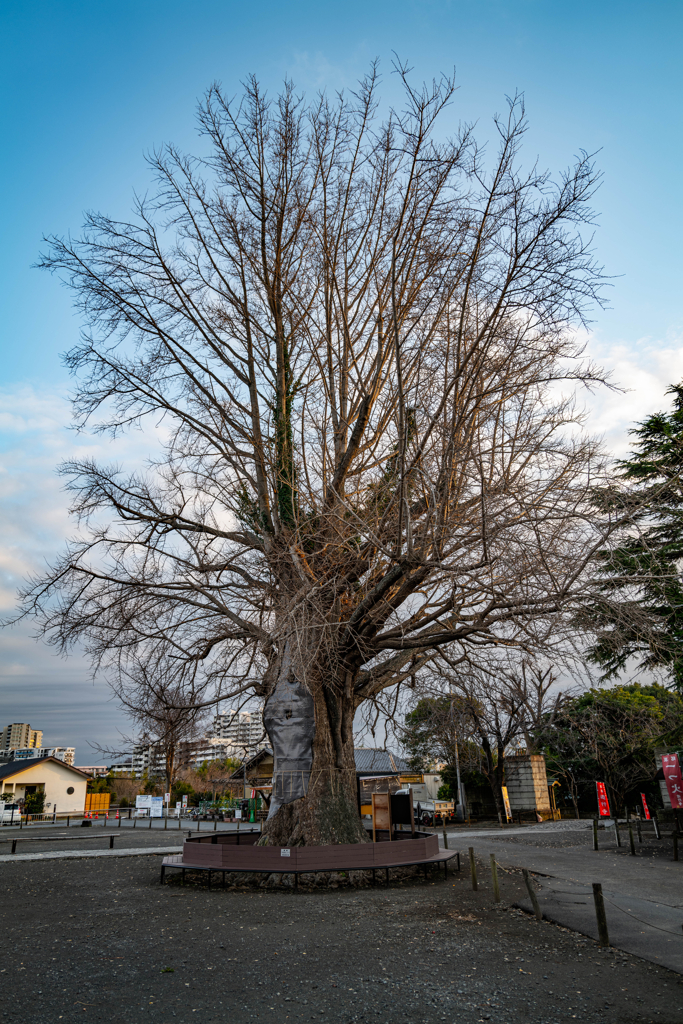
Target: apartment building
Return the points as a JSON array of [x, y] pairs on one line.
[[65, 754], [20, 734], [241, 731]]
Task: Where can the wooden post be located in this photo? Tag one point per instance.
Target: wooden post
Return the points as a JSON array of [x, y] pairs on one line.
[[616, 831], [603, 934], [494, 877], [473, 869], [595, 833], [630, 840], [532, 895], [445, 840], [639, 830]]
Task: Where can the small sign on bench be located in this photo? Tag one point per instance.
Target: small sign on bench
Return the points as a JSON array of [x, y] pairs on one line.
[[284, 853]]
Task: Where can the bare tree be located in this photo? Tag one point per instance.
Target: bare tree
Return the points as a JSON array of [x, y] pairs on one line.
[[163, 721], [359, 341]]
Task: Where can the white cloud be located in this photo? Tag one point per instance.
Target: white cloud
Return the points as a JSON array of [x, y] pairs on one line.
[[645, 371]]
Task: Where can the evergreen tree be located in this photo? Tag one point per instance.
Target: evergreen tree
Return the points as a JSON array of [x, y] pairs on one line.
[[639, 610]]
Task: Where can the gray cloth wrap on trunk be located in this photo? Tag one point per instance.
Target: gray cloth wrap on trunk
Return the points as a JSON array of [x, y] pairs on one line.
[[289, 718]]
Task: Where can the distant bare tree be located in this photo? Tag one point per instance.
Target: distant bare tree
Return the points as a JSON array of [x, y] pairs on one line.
[[359, 341]]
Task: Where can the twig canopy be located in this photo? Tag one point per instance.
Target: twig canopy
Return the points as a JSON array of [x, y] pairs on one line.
[[360, 341]]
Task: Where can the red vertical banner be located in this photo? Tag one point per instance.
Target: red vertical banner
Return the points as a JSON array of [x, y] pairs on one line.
[[646, 809], [603, 802], [672, 777]]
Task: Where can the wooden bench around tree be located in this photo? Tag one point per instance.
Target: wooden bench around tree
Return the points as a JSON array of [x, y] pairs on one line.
[[224, 853]]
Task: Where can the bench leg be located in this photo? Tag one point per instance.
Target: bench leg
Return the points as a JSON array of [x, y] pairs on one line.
[[209, 878], [387, 875], [163, 871], [445, 870], [112, 837], [183, 878], [296, 879], [373, 877], [224, 879]]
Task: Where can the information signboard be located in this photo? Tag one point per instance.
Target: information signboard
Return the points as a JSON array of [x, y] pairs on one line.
[[156, 807], [603, 802], [143, 804]]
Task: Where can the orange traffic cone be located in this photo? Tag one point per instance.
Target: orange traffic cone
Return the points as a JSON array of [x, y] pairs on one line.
[[97, 817], [117, 814]]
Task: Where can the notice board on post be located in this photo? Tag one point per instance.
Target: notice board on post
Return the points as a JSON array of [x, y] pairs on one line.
[[381, 813], [402, 809]]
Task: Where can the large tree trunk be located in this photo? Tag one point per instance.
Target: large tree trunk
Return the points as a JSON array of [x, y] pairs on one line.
[[314, 779]]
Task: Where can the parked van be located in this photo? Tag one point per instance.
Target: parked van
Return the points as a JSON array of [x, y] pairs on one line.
[[10, 813]]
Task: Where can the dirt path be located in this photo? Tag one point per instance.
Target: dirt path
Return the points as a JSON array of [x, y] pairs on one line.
[[101, 940]]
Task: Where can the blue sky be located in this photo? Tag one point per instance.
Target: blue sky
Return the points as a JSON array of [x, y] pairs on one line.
[[89, 88]]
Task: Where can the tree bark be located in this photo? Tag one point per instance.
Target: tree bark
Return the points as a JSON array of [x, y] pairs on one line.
[[314, 799]]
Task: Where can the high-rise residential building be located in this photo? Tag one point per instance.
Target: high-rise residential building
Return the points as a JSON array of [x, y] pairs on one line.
[[242, 732], [65, 754], [148, 757], [20, 734]]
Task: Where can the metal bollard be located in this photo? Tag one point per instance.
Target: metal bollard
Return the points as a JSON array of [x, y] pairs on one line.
[[215, 822], [603, 934], [595, 833], [445, 840], [473, 869], [630, 840], [494, 878], [532, 895]]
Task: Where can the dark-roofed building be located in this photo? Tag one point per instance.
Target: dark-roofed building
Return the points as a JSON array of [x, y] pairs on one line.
[[374, 761], [64, 786]]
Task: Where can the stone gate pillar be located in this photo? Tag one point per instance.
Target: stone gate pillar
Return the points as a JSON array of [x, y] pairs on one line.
[[527, 783]]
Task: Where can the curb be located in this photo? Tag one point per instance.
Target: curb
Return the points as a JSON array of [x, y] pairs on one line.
[[82, 854]]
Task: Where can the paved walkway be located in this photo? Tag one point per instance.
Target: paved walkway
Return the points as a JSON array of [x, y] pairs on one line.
[[644, 897]]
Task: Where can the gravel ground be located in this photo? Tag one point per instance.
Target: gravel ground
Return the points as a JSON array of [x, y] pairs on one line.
[[101, 940]]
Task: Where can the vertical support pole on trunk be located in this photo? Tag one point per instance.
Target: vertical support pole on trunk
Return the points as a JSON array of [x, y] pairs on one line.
[[494, 877], [532, 895], [595, 833], [473, 869], [603, 934]]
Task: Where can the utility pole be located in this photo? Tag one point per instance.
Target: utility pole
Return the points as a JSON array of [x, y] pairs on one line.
[[460, 799]]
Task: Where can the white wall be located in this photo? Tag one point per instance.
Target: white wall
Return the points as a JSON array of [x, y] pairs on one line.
[[55, 778]]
